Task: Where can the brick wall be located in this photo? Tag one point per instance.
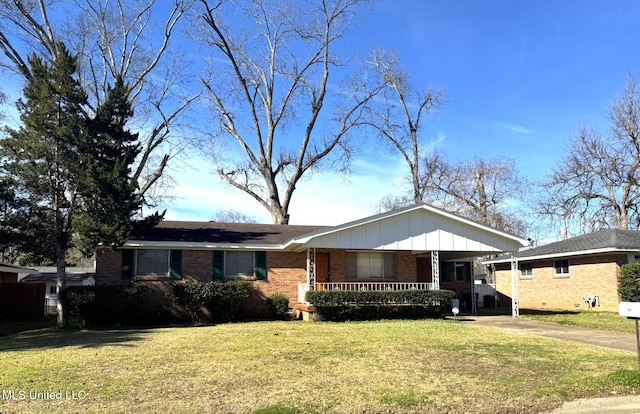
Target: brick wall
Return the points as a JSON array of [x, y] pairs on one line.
[[589, 275], [108, 267], [285, 271], [197, 265]]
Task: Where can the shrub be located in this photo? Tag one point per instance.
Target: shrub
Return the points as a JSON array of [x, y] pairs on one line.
[[191, 296], [227, 298], [277, 305], [102, 306], [336, 305], [629, 282], [222, 299]]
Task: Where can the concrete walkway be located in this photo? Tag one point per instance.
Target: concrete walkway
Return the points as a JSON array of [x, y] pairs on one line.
[[615, 405]]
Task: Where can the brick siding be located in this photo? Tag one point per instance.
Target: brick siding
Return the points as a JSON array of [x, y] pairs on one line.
[[285, 271], [588, 275]]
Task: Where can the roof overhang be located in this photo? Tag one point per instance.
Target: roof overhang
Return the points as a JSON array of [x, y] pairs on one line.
[[590, 252], [9, 268]]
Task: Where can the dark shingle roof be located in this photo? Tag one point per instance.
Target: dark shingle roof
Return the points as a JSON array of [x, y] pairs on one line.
[[232, 233], [602, 239]]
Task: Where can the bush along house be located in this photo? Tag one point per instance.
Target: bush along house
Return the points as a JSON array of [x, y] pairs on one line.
[[417, 247]]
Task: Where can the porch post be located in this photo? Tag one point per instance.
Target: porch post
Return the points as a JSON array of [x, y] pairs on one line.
[[474, 298], [435, 269], [311, 269], [311, 285], [515, 310]]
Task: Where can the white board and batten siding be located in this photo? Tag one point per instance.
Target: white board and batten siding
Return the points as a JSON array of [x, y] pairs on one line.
[[416, 230]]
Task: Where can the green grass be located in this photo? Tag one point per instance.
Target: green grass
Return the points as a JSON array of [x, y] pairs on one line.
[[587, 319], [428, 366]]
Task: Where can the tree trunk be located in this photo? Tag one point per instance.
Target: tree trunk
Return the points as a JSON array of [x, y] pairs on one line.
[[61, 281]]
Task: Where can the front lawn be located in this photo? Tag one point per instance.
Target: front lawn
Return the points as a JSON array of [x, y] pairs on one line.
[[426, 366], [608, 321]]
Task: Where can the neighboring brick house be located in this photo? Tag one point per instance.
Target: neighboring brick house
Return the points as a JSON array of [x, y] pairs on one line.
[[576, 273], [389, 251]]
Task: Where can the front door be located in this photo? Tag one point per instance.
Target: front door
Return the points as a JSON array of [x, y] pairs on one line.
[[322, 267]]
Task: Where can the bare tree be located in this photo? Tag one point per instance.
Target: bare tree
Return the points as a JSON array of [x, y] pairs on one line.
[[233, 216], [477, 189], [271, 87], [397, 117], [112, 39], [596, 185]]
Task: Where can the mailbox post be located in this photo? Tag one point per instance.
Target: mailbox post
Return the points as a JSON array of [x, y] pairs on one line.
[[632, 311]]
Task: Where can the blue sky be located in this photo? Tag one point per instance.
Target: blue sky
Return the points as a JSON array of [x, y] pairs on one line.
[[519, 78]]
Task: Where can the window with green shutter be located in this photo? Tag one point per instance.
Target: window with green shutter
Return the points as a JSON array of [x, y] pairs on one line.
[[239, 264], [151, 263]]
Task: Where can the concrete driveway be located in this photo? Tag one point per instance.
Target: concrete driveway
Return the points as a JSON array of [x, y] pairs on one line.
[[616, 340], [629, 404]]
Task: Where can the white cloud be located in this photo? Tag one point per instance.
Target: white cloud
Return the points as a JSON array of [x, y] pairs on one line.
[[518, 129]]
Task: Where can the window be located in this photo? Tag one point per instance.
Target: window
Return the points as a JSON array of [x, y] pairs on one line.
[[239, 264], [455, 271], [561, 267], [370, 265], [152, 262], [463, 271], [526, 269]]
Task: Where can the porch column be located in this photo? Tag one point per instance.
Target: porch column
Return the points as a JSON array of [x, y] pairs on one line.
[[474, 296], [435, 269], [311, 268], [515, 310]]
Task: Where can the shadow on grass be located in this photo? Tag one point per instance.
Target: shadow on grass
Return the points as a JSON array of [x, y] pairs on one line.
[[52, 337]]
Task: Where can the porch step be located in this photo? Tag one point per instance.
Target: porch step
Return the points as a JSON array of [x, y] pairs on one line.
[[305, 310]]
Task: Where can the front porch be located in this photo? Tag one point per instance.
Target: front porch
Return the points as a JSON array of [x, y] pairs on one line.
[[416, 248]]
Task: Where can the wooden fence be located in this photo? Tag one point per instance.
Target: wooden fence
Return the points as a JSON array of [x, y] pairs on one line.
[[22, 301]]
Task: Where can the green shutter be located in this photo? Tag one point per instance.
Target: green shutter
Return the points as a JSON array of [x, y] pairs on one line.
[[261, 265], [127, 266], [217, 272], [175, 265]]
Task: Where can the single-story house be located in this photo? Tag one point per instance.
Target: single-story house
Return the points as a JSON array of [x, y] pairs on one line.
[[577, 273], [48, 275], [417, 247]]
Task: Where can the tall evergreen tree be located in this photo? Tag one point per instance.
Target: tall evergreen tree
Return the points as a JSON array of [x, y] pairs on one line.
[[44, 154], [108, 211]]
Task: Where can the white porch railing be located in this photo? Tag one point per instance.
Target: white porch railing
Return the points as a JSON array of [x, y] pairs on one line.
[[364, 286]]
